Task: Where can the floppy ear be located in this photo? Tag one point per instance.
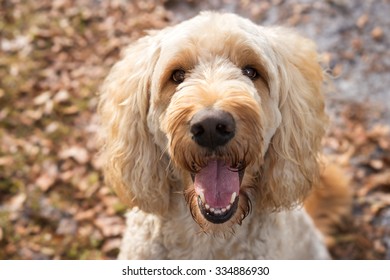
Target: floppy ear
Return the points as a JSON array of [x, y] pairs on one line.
[[291, 165], [132, 161]]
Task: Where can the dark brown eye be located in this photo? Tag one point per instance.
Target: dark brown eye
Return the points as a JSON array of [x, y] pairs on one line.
[[250, 72], [178, 76]]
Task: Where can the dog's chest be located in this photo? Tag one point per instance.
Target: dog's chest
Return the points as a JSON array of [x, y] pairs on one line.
[[183, 239]]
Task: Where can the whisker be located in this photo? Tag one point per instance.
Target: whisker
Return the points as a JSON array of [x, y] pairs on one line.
[[178, 192]]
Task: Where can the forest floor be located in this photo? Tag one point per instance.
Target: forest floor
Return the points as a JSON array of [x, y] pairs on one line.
[[53, 58]]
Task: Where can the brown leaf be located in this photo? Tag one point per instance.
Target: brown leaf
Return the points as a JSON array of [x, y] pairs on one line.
[[377, 164], [42, 98], [377, 33], [362, 21], [67, 226], [45, 181], [337, 70], [16, 202], [357, 44], [78, 153], [6, 160], [70, 110], [49, 177], [111, 244], [61, 96], [379, 246], [374, 181], [85, 215], [110, 226]]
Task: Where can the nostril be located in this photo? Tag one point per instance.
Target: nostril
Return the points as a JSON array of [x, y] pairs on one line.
[[224, 129], [221, 128], [197, 130]]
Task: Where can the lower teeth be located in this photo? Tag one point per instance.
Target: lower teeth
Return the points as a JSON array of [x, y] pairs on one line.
[[217, 211]]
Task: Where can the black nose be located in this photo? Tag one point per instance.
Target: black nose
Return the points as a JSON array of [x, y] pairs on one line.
[[211, 128]]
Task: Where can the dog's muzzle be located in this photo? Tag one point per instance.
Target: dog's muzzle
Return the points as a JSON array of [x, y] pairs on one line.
[[217, 184]]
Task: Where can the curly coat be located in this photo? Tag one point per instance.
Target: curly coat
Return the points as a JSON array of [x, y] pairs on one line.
[[151, 157]]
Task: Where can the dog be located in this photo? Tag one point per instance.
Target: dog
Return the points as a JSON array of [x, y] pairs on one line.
[[211, 135]]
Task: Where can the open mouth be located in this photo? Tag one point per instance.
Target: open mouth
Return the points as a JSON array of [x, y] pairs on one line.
[[217, 186]]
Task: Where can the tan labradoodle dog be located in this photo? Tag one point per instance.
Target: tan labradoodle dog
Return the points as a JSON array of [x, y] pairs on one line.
[[211, 133]]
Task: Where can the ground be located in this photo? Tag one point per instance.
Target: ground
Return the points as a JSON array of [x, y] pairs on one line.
[[53, 58]]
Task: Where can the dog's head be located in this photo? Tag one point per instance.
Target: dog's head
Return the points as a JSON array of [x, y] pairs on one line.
[[231, 110]]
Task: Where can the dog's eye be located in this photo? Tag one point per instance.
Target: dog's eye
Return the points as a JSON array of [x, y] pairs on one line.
[[178, 76], [250, 72]]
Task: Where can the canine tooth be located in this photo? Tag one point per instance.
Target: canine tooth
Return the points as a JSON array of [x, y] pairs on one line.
[[223, 210], [228, 207], [207, 206], [233, 197], [201, 195]]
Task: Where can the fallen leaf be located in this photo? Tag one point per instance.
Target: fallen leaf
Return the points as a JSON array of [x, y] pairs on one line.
[[48, 177], [67, 226], [45, 181], [377, 164], [374, 181], [85, 215], [61, 96], [111, 244], [377, 33], [362, 21], [78, 153], [42, 98], [16, 202], [6, 160], [110, 226]]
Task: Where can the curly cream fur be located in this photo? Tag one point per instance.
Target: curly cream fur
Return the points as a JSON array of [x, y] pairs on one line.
[[149, 154]]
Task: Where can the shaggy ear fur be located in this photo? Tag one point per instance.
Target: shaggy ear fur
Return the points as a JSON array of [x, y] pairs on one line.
[[291, 165], [132, 161]]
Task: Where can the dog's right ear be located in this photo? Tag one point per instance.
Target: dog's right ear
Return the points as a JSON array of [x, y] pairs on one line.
[[132, 161]]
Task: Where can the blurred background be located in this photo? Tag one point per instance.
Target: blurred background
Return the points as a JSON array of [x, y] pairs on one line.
[[54, 56]]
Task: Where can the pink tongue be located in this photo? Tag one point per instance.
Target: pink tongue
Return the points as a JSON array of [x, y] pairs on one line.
[[218, 183]]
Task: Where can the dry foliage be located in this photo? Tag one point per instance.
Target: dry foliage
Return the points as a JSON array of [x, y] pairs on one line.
[[54, 54]]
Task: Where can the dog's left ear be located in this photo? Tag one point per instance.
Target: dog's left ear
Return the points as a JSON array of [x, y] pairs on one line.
[[291, 166]]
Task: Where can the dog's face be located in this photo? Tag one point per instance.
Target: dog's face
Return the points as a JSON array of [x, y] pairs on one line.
[[218, 93], [216, 113]]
